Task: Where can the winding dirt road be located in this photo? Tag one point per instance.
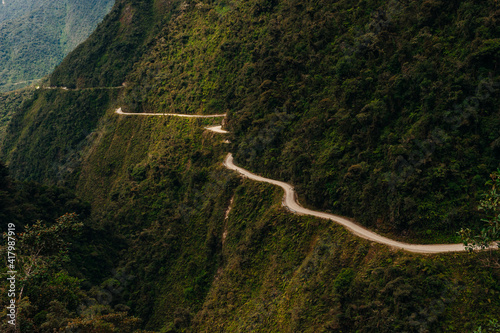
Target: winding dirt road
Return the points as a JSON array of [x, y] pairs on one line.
[[119, 111], [290, 200], [216, 129], [78, 89]]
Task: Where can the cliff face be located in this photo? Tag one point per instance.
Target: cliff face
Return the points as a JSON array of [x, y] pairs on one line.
[[385, 112]]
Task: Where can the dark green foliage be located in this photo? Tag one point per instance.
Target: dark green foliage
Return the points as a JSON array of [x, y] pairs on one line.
[[490, 207], [60, 126], [9, 103], [22, 203], [492, 326], [47, 297], [56, 259]]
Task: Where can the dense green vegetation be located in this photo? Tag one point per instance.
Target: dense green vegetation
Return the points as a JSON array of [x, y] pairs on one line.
[[15, 8], [25, 202], [55, 126], [259, 268], [284, 273], [36, 35], [60, 261], [305, 93], [117, 44], [9, 103], [490, 206], [385, 112]]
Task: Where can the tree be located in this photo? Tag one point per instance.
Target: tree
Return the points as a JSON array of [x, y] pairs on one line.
[[490, 206], [493, 326], [40, 252]]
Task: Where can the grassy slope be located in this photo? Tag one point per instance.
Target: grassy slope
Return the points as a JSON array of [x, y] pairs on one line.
[[157, 183]]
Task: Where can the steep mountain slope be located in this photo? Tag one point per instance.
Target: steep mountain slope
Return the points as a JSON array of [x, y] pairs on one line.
[[16, 8], [390, 119], [386, 112], [383, 112], [9, 103], [36, 35]]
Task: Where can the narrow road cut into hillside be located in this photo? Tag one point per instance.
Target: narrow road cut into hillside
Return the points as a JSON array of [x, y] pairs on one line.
[[119, 111], [290, 200], [78, 89]]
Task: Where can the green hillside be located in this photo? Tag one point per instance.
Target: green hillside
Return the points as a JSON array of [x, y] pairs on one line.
[[36, 35], [383, 112], [16, 8], [9, 103]]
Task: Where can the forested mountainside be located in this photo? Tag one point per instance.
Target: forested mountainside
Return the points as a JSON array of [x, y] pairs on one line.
[[16, 8], [383, 111], [35, 35], [9, 103]]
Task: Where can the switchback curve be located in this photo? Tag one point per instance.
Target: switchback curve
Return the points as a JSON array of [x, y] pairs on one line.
[[290, 200], [120, 112]]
